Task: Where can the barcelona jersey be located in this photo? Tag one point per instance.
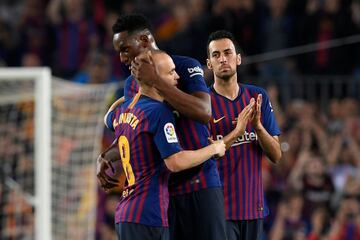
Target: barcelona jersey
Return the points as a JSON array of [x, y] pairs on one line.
[[240, 169], [192, 134], [146, 135]]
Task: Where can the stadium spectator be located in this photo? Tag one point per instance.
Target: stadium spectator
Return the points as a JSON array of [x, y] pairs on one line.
[[30, 60], [320, 224], [97, 69], [277, 32], [27, 38], [34, 32], [346, 224], [117, 69], [75, 33], [323, 21], [289, 223], [310, 177]]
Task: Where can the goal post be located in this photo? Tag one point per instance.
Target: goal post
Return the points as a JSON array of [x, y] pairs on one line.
[[42, 144], [50, 136]]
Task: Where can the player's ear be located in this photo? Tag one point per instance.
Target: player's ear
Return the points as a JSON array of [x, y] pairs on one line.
[[144, 40], [238, 59], [208, 63]]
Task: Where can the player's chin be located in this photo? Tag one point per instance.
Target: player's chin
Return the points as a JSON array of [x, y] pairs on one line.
[[225, 75]]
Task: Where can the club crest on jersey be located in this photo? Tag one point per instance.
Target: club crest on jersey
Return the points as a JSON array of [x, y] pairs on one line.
[[170, 133], [195, 71]]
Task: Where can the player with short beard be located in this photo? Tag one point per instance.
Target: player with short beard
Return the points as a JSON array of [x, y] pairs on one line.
[[240, 168]]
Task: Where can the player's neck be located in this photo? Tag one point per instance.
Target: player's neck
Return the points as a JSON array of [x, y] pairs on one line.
[[152, 93], [227, 88], [153, 46]]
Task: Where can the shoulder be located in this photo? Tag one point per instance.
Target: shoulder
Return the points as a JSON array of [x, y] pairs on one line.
[[254, 89], [187, 65], [211, 90], [129, 79], [154, 109], [184, 60]]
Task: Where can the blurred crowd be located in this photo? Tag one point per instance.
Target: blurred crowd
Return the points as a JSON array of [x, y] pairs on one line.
[[314, 192], [75, 36]]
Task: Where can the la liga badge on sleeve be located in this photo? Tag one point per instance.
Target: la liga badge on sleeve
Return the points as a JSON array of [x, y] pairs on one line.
[[170, 133]]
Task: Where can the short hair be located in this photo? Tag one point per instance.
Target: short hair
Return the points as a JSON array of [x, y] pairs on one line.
[[131, 23], [221, 34]]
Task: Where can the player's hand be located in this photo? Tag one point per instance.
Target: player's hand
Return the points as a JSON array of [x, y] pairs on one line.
[[256, 118], [219, 147], [106, 182], [244, 117], [143, 69]]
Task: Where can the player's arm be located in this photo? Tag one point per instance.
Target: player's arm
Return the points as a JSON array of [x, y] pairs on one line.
[[167, 143], [112, 108], [269, 144], [242, 121], [187, 159], [104, 162], [109, 155], [196, 106]]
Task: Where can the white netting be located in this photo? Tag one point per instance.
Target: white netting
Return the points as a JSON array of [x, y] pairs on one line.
[[77, 112], [17, 159]]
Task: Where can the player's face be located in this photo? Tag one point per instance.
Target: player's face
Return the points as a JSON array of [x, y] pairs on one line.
[[166, 68], [128, 46], [223, 58]]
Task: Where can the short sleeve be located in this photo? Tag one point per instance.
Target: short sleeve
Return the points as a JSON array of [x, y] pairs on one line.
[[269, 120], [191, 75], [109, 120], [165, 136]]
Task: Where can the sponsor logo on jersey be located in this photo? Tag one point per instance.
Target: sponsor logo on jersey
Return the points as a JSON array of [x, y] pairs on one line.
[[247, 137], [170, 134], [196, 71]]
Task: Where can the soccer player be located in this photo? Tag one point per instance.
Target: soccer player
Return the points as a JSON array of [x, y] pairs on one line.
[[148, 145], [240, 168], [195, 191]]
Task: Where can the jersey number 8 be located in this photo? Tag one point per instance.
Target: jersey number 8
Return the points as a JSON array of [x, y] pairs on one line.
[[124, 148]]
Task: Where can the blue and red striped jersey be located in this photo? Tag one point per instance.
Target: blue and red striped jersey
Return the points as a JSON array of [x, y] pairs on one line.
[[192, 134], [146, 135], [241, 168]]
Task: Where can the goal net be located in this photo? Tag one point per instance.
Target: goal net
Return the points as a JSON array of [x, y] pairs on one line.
[[48, 123]]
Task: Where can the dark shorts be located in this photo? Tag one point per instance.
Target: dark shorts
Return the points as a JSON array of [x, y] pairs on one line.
[[198, 215], [134, 231], [245, 229]]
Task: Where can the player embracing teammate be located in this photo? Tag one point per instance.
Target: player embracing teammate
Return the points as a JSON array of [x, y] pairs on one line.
[[196, 208]]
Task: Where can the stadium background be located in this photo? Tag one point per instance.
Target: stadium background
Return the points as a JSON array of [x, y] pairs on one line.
[[314, 90]]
